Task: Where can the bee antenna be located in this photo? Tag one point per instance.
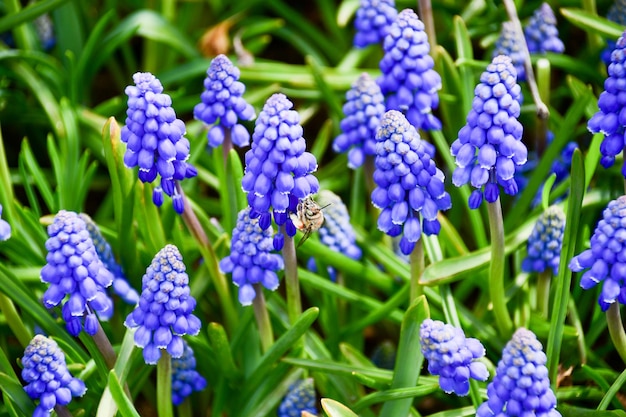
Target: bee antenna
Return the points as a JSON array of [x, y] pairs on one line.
[[322, 208]]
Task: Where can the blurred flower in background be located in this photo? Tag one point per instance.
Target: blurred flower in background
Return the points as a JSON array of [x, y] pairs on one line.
[[541, 32], [299, 398], [510, 44], [185, 378], [544, 244], [372, 22]]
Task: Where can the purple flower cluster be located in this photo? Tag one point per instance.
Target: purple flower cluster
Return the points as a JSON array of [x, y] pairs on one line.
[[510, 44], [521, 386], [47, 377], [606, 259], [250, 260], [541, 32], [185, 378], [408, 80], [105, 253], [544, 244], [409, 185], [154, 139], [452, 356], [365, 105], [610, 120], [278, 170], [222, 104], [489, 146], [337, 233], [73, 268], [372, 22], [165, 309], [299, 398]]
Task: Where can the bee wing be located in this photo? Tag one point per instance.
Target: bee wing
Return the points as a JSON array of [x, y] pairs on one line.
[[296, 221]]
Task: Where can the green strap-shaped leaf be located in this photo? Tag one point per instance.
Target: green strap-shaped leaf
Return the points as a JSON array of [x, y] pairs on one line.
[[336, 409], [14, 390], [593, 23], [221, 349], [570, 411], [124, 404]]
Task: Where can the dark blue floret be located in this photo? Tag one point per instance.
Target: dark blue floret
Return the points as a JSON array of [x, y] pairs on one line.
[[606, 259], [452, 356], [408, 80], [185, 378], [541, 33], [521, 386], [250, 260], [489, 146], [278, 169], [409, 187], [510, 44], [74, 269], [165, 309], [299, 398], [372, 22], [222, 104], [46, 376], [365, 105], [544, 244], [105, 253], [610, 120], [155, 139]]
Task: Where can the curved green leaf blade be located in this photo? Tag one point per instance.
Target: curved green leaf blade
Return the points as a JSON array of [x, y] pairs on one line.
[[336, 409]]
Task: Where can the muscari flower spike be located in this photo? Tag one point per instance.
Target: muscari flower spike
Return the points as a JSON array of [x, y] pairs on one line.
[[47, 377], [408, 184], [452, 356], [299, 398], [165, 309], [185, 378], [610, 120], [510, 44], [365, 105], [372, 22], [74, 269], [544, 244], [155, 139], [278, 170], [250, 260], [408, 80], [5, 228], [222, 104], [521, 386], [617, 14], [489, 146], [541, 32], [105, 253], [606, 258]]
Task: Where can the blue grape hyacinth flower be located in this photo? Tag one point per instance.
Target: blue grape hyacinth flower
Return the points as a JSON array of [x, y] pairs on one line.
[[489, 146], [544, 244], [74, 269], [105, 253], [521, 386], [165, 309], [409, 187], [365, 105], [46, 376], [452, 356], [510, 44], [155, 139], [250, 260], [606, 258], [610, 120], [541, 32], [372, 22], [408, 81], [185, 378], [278, 169], [5, 228], [222, 104], [299, 398]]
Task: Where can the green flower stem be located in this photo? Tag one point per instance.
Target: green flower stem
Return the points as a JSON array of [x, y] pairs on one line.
[[165, 408], [184, 409], [595, 40], [294, 303], [104, 346], [14, 320], [543, 292], [262, 318], [227, 145], [210, 258], [542, 109], [543, 85], [425, 11], [416, 259], [62, 411], [616, 329], [496, 270]]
